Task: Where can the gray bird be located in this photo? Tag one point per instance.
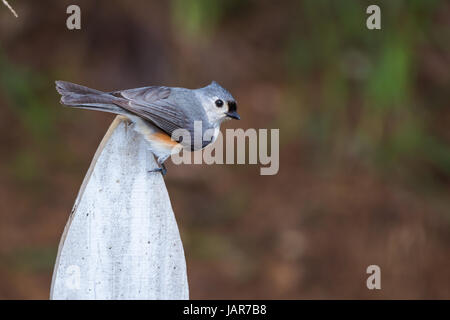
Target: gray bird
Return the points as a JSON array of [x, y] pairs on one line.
[[158, 111]]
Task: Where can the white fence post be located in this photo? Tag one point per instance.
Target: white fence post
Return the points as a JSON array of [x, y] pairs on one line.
[[122, 239]]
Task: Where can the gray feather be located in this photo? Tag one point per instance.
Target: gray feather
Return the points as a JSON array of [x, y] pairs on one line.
[[82, 97], [64, 87], [167, 108]]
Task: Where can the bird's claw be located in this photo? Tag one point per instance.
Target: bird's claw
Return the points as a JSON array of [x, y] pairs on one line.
[[163, 170]]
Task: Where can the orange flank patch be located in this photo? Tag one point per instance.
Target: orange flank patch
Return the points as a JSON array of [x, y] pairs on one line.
[[162, 138]]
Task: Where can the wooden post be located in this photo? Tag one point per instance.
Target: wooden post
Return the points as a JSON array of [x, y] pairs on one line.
[[122, 239]]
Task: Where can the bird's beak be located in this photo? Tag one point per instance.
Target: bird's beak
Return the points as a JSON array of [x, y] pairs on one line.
[[234, 115]]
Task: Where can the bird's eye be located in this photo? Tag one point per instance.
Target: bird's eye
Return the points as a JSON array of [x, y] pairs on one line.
[[219, 103]]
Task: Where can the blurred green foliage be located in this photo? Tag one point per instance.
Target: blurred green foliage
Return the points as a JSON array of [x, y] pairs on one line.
[[30, 259], [27, 92], [196, 16], [198, 19], [378, 69]]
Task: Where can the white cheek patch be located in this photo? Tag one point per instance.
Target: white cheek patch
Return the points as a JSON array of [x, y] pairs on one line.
[[213, 113]]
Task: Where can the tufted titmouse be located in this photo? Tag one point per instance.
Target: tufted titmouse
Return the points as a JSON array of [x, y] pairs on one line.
[[158, 111]]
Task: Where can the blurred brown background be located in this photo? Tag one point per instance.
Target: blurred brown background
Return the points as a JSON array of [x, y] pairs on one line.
[[364, 126]]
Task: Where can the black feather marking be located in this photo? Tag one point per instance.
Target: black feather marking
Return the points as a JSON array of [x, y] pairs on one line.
[[232, 106]]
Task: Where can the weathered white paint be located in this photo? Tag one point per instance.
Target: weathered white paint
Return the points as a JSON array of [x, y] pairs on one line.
[[122, 239]]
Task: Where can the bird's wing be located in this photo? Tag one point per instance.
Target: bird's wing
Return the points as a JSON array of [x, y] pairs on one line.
[[154, 104]]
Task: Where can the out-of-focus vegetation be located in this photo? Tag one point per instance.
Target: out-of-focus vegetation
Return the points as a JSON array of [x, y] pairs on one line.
[[363, 116]]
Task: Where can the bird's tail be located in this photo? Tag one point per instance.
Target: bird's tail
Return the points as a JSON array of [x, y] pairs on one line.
[[74, 95]]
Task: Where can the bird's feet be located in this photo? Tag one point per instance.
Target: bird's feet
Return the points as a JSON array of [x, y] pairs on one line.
[[162, 169]]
